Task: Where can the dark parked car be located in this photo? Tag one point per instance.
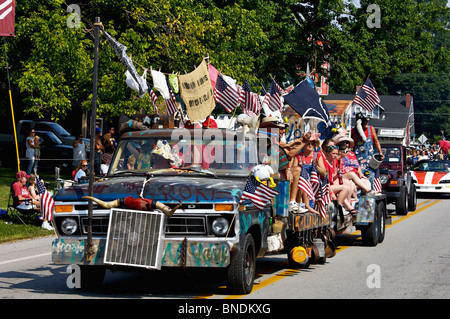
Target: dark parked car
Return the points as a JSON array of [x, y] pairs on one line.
[[396, 179]]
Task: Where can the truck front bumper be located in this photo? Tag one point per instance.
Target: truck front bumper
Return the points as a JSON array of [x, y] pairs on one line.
[[211, 252]]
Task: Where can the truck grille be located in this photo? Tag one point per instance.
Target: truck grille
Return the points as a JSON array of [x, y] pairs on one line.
[[186, 225], [135, 238], [99, 225]]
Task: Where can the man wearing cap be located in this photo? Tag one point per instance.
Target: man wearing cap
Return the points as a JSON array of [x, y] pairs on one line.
[[365, 139], [22, 198]]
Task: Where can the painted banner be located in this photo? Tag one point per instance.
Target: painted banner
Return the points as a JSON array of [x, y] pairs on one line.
[[197, 93]]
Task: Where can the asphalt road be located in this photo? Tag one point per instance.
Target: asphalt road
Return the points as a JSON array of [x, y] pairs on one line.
[[412, 262]]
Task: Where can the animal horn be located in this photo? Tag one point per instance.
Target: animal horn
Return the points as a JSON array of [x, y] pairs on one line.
[[166, 209], [112, 204]]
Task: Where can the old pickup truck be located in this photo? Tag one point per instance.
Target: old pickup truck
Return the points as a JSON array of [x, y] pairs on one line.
[[190, 182]]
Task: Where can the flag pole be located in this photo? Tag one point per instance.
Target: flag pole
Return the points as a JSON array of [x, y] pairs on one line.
[[12, 108]]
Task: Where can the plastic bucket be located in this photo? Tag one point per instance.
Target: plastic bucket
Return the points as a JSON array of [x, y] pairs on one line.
[[374, 163]]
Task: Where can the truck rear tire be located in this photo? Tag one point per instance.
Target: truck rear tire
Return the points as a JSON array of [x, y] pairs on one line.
[[401, 203], [412, 198], [241, 272]]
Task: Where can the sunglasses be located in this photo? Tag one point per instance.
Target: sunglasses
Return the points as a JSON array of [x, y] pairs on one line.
[[332, 147]]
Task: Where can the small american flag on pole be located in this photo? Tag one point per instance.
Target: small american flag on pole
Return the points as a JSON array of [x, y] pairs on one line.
[[377, 185], [324, 198], [154, 98], [367, 96], [249, 100], [304, 183], [172, 102], [273, 97], [47, 202], [225, 95], [258, 193]]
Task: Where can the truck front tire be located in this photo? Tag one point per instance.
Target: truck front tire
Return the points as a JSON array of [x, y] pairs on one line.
[[241, 272]]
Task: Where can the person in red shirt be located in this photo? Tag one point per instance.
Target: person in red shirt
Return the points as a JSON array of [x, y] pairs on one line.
[[444, 146], [22, 198]]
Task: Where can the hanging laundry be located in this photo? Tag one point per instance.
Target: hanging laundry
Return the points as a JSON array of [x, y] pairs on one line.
[[173, 81], [160, 83], [120, 50]]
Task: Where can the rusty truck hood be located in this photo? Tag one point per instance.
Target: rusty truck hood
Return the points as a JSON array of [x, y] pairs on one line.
[[161, 188]]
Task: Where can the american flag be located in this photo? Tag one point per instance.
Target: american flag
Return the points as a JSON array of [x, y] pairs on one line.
[[304, 183], [273, 97], [323, 197], [367, 96], [47, 202], [377, 185], [154, 98], [225, 94], [172, 102], [249, 100], [258, 193], [315, 182]]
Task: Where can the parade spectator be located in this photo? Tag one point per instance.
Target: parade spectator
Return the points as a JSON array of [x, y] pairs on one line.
[[29, 153], [79, 151], [81, 171], [109, 142], [22, 198], [444, 146], [32, 188], [423, 156], [98, 150], [106, 160]]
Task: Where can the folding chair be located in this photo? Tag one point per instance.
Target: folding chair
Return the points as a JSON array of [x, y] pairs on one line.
[[13, 202]]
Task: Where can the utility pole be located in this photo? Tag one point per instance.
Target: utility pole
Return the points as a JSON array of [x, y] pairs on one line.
[[89, 251]]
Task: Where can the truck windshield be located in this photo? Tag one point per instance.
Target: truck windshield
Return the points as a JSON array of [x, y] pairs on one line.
[[391, 154], [180, 153]]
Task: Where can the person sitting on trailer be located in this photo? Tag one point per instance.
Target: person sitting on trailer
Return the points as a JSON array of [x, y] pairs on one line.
[[340, 192], [308, 159], [349, 166]]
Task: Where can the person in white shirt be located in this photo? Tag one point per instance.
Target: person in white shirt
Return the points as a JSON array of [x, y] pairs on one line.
[[29, 154], [79, 151], [81, 170]]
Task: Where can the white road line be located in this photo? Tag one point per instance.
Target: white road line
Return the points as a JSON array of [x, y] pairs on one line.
[[23, 258]]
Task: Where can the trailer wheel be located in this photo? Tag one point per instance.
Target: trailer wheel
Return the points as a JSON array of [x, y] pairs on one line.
[[241, 272], [91, 277], [401, 203]]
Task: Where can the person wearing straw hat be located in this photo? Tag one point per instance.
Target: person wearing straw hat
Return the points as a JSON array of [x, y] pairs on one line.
[[366, 139]]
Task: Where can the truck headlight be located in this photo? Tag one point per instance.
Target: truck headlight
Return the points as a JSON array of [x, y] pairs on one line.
[[69, 226], [383, 179], [220, 226]]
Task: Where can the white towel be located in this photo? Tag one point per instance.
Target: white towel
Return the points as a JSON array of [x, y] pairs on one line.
[[160, 83]]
